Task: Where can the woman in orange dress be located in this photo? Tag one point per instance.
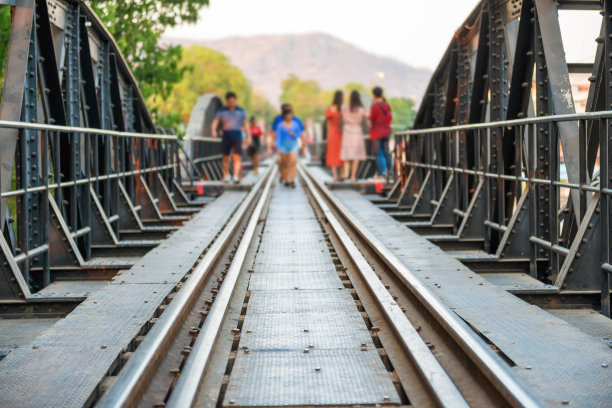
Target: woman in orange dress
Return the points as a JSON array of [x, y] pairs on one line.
[[334, 135]]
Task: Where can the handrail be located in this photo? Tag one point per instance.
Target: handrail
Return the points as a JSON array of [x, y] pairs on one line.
[[75, 129], [512, 122], [204, 139]]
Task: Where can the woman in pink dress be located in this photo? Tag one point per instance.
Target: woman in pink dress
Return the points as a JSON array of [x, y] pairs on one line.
[[353, 142]]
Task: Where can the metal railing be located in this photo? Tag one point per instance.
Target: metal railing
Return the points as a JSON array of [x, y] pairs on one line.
[[75, 189], [513, 200]]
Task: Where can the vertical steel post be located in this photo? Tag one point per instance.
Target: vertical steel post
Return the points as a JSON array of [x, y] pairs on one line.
[[498, 77], [29, 217], [553, 199], [606, 164], [543, 151], [105, 142], [72, 86], [533, 199]]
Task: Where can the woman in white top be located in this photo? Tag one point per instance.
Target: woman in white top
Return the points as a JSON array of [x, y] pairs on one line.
[[353, 142]]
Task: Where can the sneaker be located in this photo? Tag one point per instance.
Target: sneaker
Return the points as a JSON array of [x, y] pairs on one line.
[[227, 179], [236, 180], [292, 184], [376, 179]]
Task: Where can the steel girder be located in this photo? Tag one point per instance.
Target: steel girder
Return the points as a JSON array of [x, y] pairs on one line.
[[497, 187], [75, 186]]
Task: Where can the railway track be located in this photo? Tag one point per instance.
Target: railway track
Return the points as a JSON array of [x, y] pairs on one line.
[[198, 351]]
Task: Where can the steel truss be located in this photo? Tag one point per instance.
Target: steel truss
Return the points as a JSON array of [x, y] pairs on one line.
[[83, 167], [481, 168]]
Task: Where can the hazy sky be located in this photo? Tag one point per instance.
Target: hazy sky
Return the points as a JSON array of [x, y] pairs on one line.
[[414, 31]]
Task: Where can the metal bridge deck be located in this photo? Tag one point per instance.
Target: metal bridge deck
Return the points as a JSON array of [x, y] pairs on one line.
[[557, 360], [303, 342], [81, 349]]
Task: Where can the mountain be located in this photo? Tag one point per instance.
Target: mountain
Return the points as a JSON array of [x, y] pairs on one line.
[[268, 59]]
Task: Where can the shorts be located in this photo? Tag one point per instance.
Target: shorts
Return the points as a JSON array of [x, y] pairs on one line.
[[231, 140], [255, 146], [289, 146]]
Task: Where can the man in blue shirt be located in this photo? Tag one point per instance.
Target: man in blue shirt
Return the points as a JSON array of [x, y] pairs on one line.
[[233, 121]]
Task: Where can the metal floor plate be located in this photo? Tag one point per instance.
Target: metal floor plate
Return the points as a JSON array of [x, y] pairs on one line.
[[295, 281], [300, 301], [70, 288], [320, 377], [588, 321], [517, 281], [320, 331], [17, 332], [302, 337]]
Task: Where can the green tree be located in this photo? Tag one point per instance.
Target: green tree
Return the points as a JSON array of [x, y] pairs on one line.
[[403, 111], [354, 86], [204, 71], [262, 108], [137, 26], [5, 33], [307, 97]]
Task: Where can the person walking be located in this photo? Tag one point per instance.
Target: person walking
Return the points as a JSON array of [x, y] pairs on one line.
[[288, 133], [273, 135], [334, 134], [353, 143], [254, 150], [380, 117], [232, 121]]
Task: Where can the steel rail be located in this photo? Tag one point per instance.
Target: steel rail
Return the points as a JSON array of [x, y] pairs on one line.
[[186, 389], [570, 117], [500, 376], [436, 379], [134, 377], [76, 129]]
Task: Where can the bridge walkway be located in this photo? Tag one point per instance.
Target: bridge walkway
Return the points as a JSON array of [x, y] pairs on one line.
[[556, 359], [303, 342], [78, 351], [303, 327]]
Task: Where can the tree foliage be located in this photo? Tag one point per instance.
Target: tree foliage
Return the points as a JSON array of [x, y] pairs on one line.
[[403, 111], [204, 71], [354, 86], [262, 108], [5, 34], [307, 97], [137, 26]]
